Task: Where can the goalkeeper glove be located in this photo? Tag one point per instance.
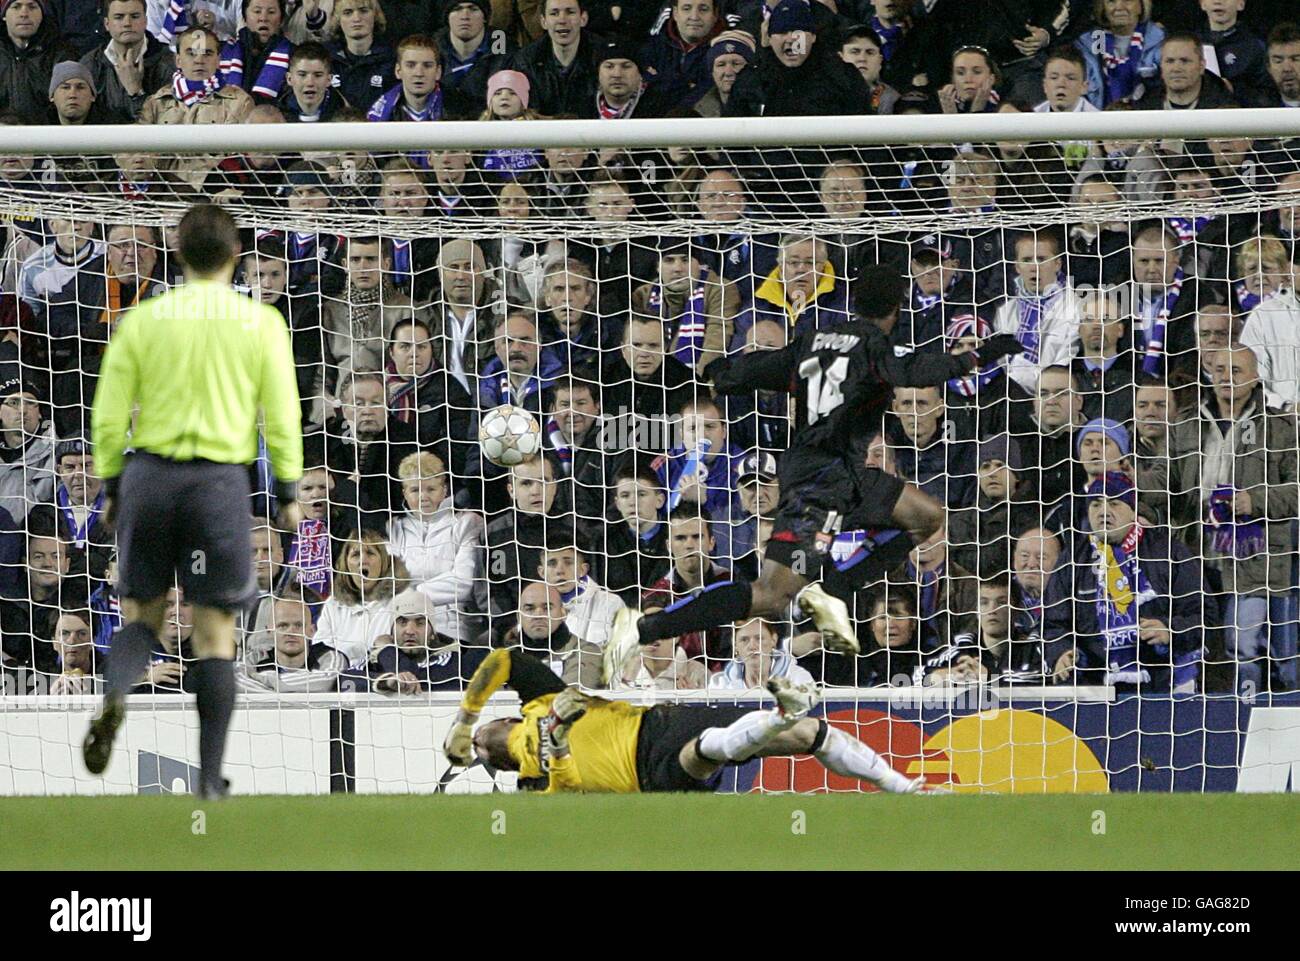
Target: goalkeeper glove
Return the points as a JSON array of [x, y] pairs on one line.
[[459, 742], [569, 705], [996, 347]]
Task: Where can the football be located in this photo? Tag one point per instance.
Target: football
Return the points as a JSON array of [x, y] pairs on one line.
[[509, 435]]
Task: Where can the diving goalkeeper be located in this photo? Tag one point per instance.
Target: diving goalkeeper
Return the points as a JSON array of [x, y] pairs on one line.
[[570, 741]]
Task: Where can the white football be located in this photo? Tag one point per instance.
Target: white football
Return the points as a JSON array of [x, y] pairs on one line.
[[509, 435]]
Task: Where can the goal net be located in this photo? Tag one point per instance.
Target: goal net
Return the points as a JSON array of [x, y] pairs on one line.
[[1110, 601]]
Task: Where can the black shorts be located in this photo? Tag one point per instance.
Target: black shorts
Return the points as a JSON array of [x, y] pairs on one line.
[[821, 496], [189, 520], [665, 730]]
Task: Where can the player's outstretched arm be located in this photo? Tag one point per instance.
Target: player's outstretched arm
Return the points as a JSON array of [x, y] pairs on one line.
[[761, 370], [527, 675], [932, 369]]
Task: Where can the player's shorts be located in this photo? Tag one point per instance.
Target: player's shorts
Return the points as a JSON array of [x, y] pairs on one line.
[[665, 730], [186, 519], [821, 496]]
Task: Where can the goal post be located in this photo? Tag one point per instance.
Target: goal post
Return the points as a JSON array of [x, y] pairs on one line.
[[589, 272]]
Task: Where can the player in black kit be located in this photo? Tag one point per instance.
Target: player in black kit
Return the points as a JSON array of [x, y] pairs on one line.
[[842, 379]]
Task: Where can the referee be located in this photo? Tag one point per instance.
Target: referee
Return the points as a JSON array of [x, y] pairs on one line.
[[196, 366]]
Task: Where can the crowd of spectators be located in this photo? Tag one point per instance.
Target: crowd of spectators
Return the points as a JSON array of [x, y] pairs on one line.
[[1121, 497]]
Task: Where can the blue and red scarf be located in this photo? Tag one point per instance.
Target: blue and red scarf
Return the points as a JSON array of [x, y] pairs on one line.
[[1121, 73], [80, 533], [562, 448], [1031, 308], [1122, 587], [1237, 536], [691, 321], [1155, 317], [275, 69], [1188, 228], [193, 92], [967, 325], [1245, 299], [386, 107], [309, 556], [175, 22]]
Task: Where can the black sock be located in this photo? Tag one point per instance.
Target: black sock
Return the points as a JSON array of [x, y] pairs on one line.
[[714, 606], [213, 681], [884, 557], [128, 656]]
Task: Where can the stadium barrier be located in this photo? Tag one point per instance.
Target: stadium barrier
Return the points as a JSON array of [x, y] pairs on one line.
[[1032, 740]]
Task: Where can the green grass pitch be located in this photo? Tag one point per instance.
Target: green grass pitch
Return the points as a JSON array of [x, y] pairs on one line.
[[1145, 832]]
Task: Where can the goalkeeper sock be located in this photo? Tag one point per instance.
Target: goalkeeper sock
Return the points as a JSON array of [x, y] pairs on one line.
[[213, 681], [743, 738], [714, 606], [848, 756], [128, 658]]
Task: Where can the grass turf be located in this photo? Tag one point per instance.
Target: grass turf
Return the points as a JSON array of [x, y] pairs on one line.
[[1148, 832]]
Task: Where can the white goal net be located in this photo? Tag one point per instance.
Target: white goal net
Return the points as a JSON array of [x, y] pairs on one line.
[[1110, 602]]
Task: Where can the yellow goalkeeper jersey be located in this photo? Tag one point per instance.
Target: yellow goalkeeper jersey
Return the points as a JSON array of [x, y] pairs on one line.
[[602, 743], [602, 747]]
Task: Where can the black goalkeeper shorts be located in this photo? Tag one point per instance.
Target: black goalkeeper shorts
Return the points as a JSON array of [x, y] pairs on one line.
[[822, 496], [665, 730], [188, 520]]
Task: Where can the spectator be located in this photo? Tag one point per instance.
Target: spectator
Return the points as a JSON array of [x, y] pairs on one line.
[[1097, 251], [309, 554], [690, 544], [1241, 55], [27, 621], [197, 94], [905, 43], [251, 178], [1043, 313], [26, 450], [1123, 53], [1036, 556], [1049, 451], [308, 95], [48, 277], [700, 472], [758, 492], [891, 640], [644, 384], [757, 656], [986, 401], [864, 49], [363, 59], [636, 539], [421, 658], [1005, 507], [1127, 603], [358, 617], [131, 64], [1184, 84], [1155, 414], [1284, 64], [610, 200], [404, 192], [222, 17], [918, 433], [422, 395], [802, 292], [1234, 474], [694, 303], [796, 76], [621, 92], [676, 60], [1272, 331], [365, 445], [560, 66], [563, 183], [570, 326], [663, 666], [517, 535], [440, 545], [1264, 269], [939, 289], [79, 498], [589, 608], [74, 101], [761, 419], [465, 333], [946, 591], [1165, 297], [29, 49], [257, 59], [1065, 84], [521, 370], [574, 435], [75, 653], [542, 631], [1105, 366], [173, 653], [998, 651], [419, 93], [721, 199], [470, 54], [727, 57], [297, 662], [1216, 328], [971, 87]]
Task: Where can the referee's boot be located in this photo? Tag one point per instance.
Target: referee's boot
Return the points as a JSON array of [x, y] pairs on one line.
[[97, 748], [831, 617], [209, 790]]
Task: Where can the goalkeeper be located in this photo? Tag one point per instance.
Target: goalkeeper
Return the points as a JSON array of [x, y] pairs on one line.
[[570, 741]]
